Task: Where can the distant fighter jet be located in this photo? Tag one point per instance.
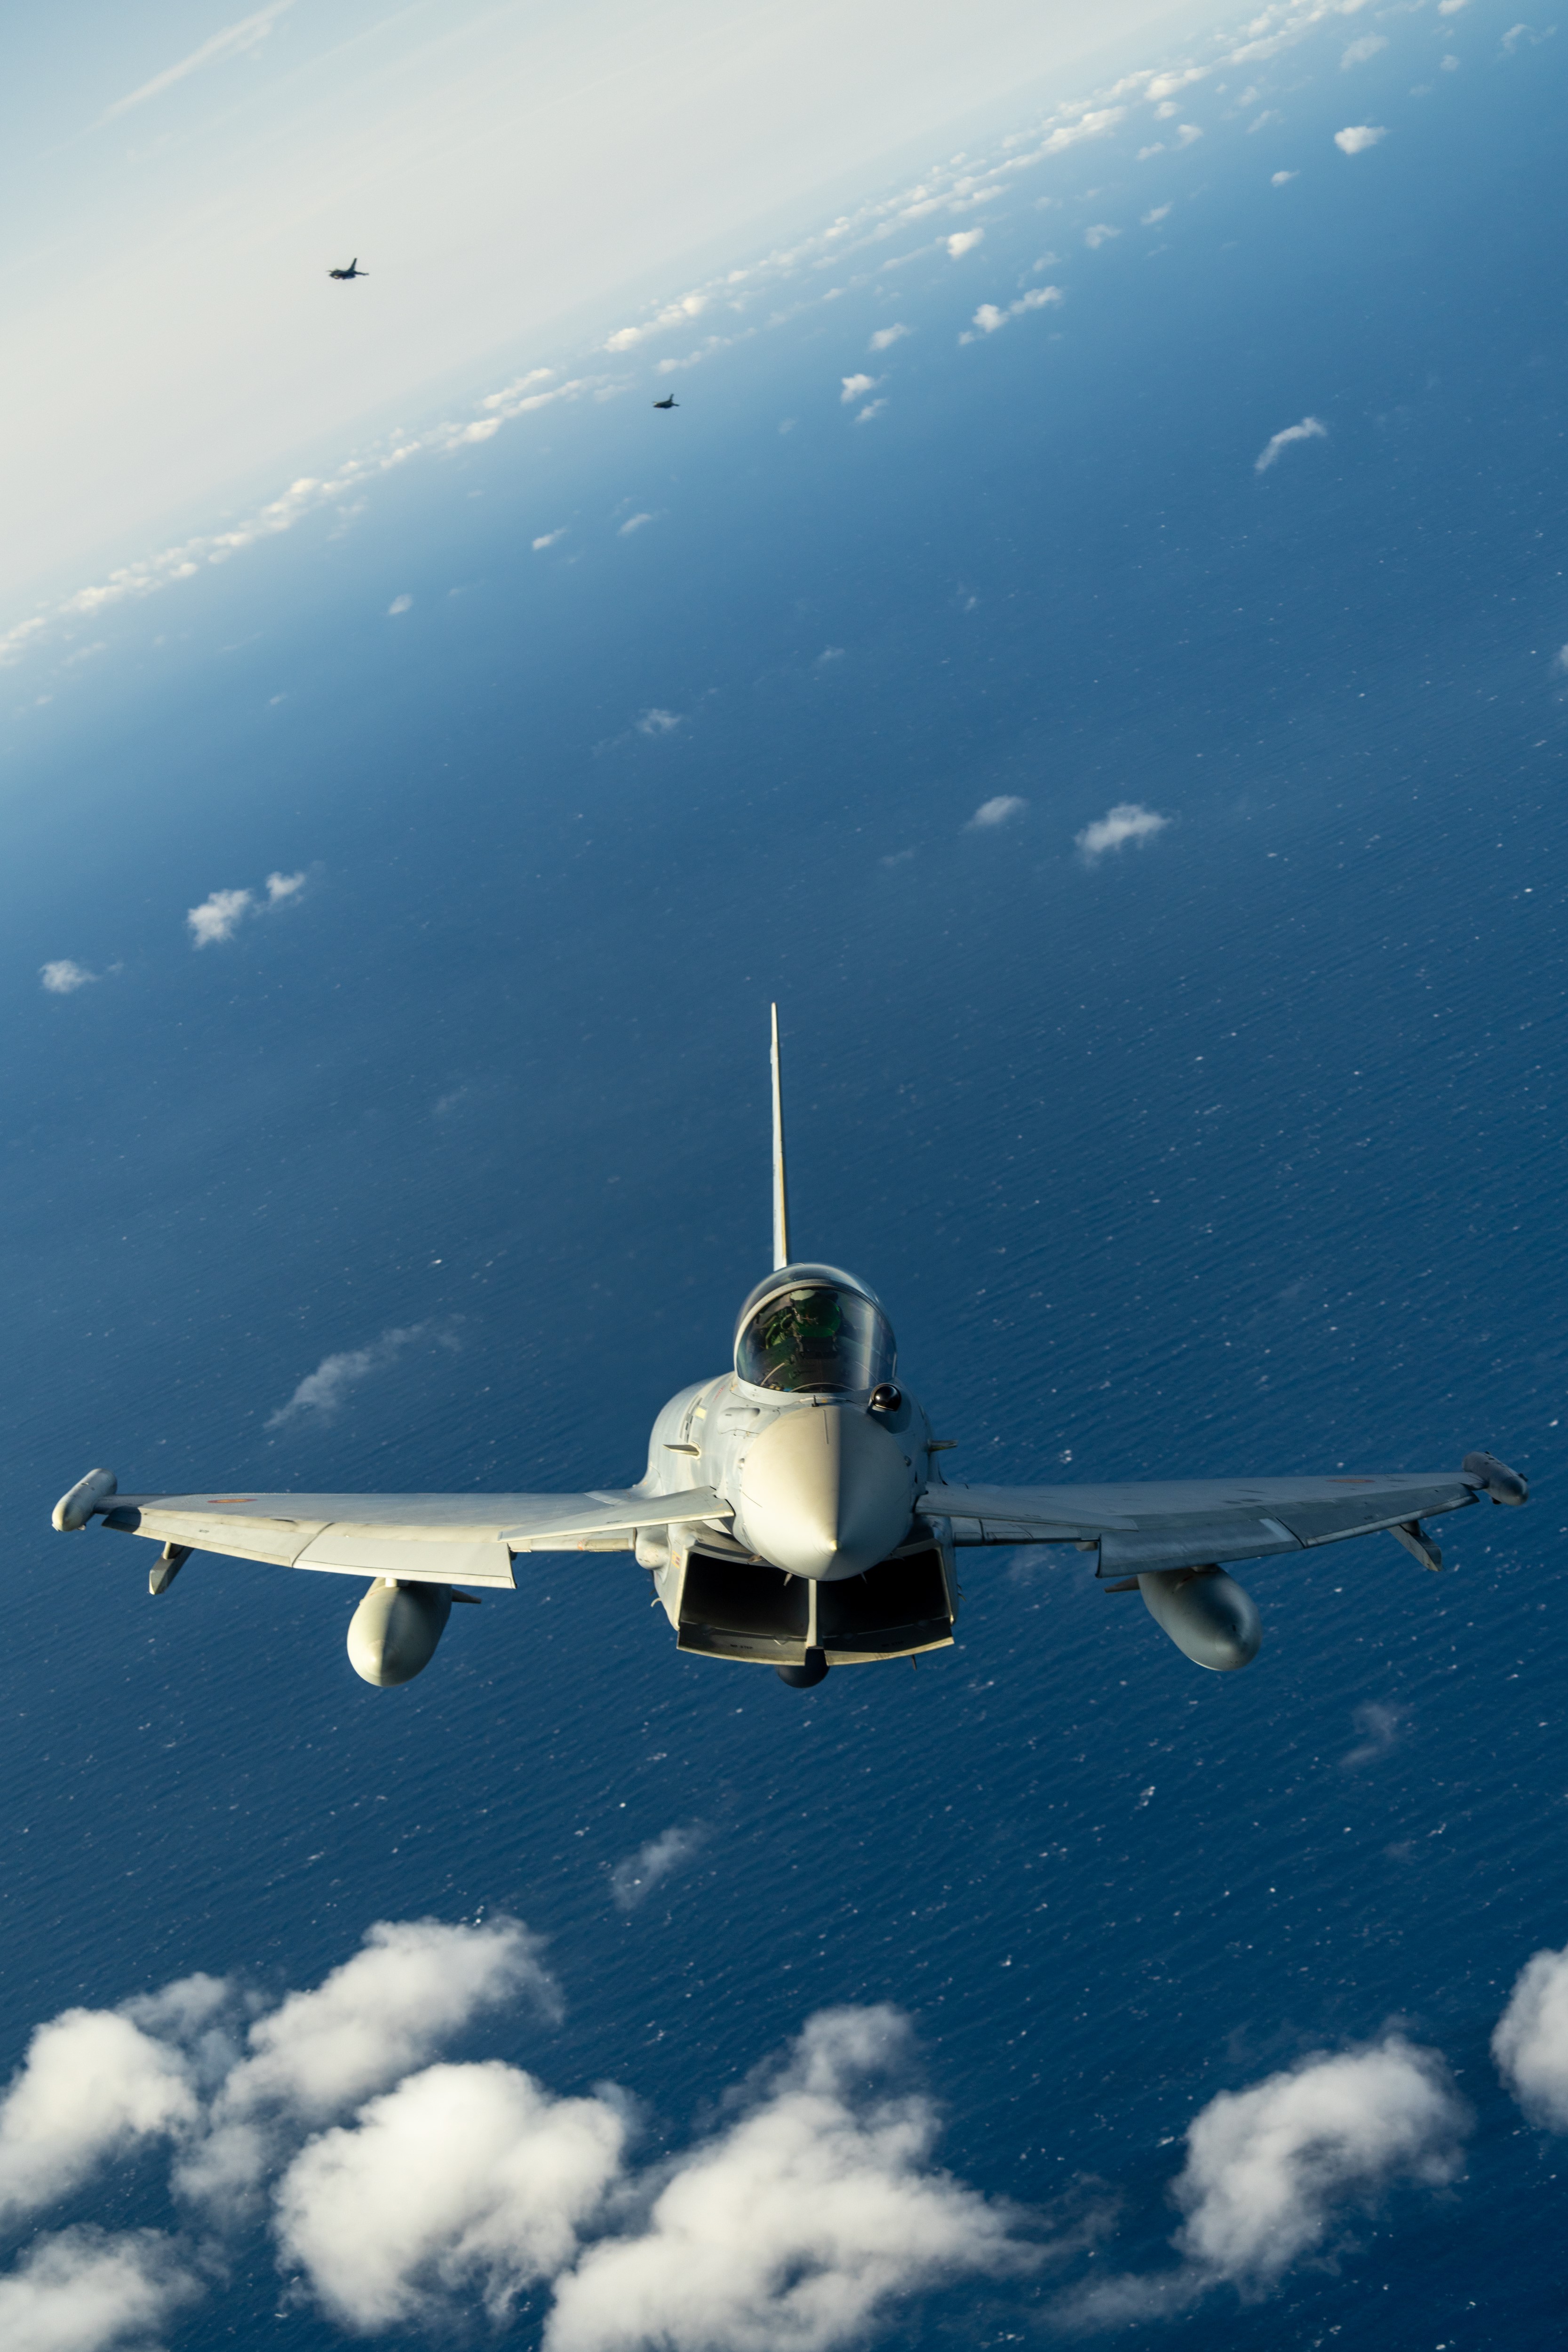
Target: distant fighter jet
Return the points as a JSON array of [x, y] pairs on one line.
[[354, 270], [670, 401], [794, 1514]]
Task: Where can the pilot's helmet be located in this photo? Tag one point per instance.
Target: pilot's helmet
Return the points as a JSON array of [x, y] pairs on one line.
[[813, 1328]]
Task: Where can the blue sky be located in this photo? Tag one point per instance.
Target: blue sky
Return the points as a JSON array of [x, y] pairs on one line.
[[178, 179]]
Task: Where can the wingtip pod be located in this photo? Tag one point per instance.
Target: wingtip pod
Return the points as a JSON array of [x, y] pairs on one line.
[[1495, 1478], [72, 1512]]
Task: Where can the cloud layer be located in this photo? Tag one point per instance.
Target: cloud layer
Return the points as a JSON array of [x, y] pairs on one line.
[[1530, 2043]]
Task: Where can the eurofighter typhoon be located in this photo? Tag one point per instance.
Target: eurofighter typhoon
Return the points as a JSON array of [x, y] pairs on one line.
[[793, 1513]]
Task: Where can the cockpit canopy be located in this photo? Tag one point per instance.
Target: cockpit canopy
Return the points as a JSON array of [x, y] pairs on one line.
[[812, 1327]]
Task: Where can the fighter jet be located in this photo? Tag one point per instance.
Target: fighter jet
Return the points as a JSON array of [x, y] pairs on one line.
[[670, 401], [354, 270], [793, 1512]]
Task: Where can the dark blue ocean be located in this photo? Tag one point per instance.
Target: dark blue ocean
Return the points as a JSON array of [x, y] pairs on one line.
[[1239, 1150]]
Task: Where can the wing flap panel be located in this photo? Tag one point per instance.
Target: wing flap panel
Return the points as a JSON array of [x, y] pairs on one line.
[[345, 1551]]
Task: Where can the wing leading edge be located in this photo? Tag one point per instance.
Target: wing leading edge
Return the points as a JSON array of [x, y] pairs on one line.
[[1198, 1522], [418, 1538]]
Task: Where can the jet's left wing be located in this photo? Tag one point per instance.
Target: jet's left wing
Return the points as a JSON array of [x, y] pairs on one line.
[[1205, 1522], [418, 1538]]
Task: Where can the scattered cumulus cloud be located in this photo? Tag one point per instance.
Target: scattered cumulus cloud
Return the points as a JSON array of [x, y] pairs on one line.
[[1358, 51], [234, 40], [399, 604], [679, 313], [964, 240], [1280, 179], [828, 655], [221, 913], [873, 408], [989, 317], [886, 337], [1128, 821], [659, 722], [801, 2224], [463, 2181], [325, 1389], [91, 2086], [1525, 36], [412, 1985], [1310, 429], [63, 977], [403, 2190], [635, 522], [1451, 7], [1380, 1727], [634, 1880], [88, 2290], [1152, 218], [1099, 234], [1530, 2043], [998, 810], [1269, 2171], [856, 388], [218, 917], [1357, 137]]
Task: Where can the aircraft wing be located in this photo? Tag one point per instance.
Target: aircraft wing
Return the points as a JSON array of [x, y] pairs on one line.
[[420, 1538], [1199, 1522]]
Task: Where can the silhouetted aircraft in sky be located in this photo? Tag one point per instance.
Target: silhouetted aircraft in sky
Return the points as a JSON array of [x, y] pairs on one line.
[[354, 270], [670, 401]]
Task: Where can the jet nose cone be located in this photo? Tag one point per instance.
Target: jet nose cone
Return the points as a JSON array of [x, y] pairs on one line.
[[826, 1492]]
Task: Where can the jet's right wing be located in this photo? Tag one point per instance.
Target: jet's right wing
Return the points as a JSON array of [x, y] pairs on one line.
[[418, 1538]]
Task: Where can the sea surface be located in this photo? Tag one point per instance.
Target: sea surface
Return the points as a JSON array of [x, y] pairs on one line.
[[1236, 1149]]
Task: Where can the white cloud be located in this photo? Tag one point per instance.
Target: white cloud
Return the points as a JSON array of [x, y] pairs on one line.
[[872, 408], [86, 2291], [218, 917], [411, 1986], [462, 2178], [828, 654], [1357, 137], [1099, 234], [886, 337], [1358, 51], [281, 887], [1449, 64], [1270, 2169], [989, 318], [91, 2085], [635, 522], [856, 388], [1095, 125], [1378, 1727], [1128, 821], [634, 1880], [673, 314], [1451, 7], [1152, 218], [548, 538], [325, 1389], [659, 722], [234, 41], [63, 977], [1308, 429], [1561, 660], [964, 240], [797, 2227], [1280, 179], [995, 812], [1267, 2167], [399, 604], [1530, 2043]]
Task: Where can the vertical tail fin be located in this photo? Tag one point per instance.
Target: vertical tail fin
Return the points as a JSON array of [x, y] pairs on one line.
[[781, 1199]]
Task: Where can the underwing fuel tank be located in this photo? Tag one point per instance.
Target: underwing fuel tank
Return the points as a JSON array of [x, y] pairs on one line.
[[1207, 1615], [393, 1632]]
